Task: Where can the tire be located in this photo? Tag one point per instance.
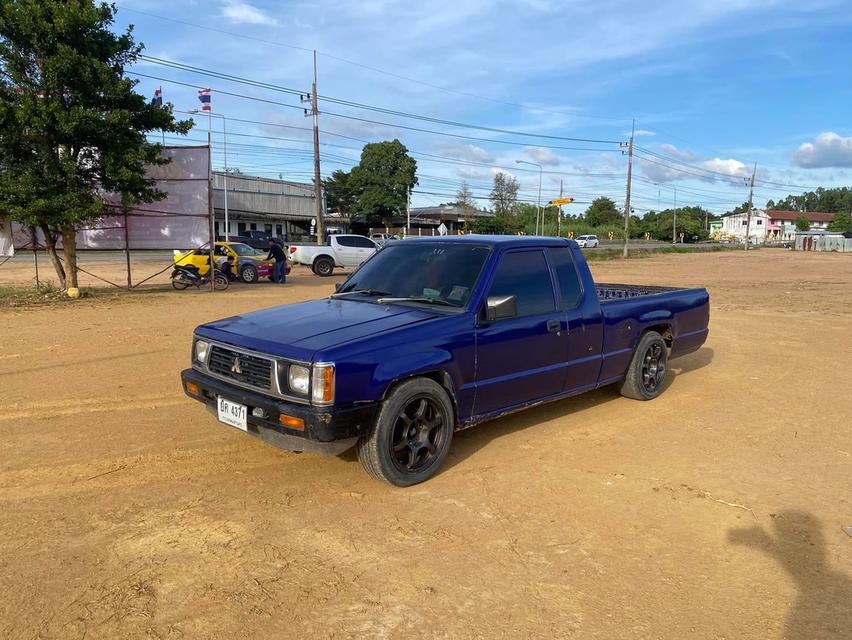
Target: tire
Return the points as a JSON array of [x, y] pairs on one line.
[[411, 436], [220, 282], [248, 274], [323, 266], [648, 370], [179, 283]]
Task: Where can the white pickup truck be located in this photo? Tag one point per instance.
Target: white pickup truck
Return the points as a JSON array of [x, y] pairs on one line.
[[342, 250]]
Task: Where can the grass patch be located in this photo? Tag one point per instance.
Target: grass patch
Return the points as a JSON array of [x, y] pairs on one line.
[[46, 293], [612, 254]]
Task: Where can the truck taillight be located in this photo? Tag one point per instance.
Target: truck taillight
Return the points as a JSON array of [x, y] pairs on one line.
[[292, 249]]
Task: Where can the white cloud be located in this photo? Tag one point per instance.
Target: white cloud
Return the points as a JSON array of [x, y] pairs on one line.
[[827, 150], [542, 156], [680, 154], [472, 173], [639, 133], [730, 167], [465, 152], [244, 13]]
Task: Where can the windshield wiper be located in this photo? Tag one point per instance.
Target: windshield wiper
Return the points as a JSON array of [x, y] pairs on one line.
[[365, 292], [424, 299]]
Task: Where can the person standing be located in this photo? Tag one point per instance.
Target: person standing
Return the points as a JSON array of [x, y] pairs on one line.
[[279, 273]]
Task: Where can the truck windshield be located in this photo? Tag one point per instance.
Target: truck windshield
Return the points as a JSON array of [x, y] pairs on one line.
[[441, 272]]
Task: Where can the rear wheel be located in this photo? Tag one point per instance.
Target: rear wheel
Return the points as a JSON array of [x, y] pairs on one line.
[[180, 283], [248, 274], [220, 282], [323, 266], [648, 369], [411, 436]]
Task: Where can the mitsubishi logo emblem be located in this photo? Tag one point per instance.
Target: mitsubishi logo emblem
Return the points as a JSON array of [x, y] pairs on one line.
[[235, 368]]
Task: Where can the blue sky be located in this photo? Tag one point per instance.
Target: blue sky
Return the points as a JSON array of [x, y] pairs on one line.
[[715, 86]]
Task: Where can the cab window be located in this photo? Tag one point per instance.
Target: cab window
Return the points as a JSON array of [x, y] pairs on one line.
[[524, 274], [567, 280]]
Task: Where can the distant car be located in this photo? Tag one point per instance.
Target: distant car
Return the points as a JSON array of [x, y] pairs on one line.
[[588, 241], [342, 250], [382, 239], [249, 265]]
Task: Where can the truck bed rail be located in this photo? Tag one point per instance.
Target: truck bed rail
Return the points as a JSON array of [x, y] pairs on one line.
[[607, 292]]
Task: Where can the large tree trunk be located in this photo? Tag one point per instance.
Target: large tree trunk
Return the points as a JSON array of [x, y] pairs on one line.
[[50, 245], [69, 247]]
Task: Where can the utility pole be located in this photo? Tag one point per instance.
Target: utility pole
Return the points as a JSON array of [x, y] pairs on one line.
[[627, 197], [407, 213], [674, 218], [317, 182], [748, 215], [559, 213]]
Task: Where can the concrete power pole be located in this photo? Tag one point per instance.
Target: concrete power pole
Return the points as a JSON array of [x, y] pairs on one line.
[[674, 218], [627, 197], [317, 181], [748, 215]]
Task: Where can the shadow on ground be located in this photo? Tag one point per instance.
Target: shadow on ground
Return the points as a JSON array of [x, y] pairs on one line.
[[823, 610]]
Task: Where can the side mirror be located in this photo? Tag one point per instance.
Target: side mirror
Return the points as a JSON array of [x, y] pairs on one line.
[[497, 307]]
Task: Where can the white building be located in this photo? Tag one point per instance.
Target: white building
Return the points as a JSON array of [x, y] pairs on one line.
[[771, 225]]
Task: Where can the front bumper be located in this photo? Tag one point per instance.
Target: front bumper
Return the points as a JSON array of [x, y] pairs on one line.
[[328, 430]]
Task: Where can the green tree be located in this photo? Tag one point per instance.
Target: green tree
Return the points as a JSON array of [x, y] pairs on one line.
[[493, 224], [382, 181], [842, 222], [72, 128], [802, 223], [603, 211], [338, 192], [504, 194], [831, 200], [690, 222]]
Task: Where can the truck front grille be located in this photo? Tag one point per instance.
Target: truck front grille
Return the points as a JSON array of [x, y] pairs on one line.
[[240, 367]]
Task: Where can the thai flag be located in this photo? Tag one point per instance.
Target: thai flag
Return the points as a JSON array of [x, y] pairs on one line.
[[157, 100], [204, 97]]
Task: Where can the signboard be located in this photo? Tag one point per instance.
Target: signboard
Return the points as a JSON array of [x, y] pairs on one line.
[[560, 201]]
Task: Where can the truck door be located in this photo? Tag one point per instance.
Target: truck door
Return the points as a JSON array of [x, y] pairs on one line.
[[582, 317], [521, 359], [364, 248], [344, 251]]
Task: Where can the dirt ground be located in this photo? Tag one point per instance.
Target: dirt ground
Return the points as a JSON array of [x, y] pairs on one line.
[[715, 511]]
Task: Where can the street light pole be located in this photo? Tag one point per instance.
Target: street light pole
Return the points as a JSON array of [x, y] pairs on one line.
[[538, 215], [225, 178]]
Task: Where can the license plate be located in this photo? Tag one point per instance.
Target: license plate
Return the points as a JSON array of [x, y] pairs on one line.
[[233, 414]]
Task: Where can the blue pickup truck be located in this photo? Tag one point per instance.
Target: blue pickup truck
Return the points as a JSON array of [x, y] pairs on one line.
[[434, 335]]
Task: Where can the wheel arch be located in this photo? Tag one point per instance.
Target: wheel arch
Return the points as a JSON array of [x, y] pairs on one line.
[[440, 376], [664, 329]]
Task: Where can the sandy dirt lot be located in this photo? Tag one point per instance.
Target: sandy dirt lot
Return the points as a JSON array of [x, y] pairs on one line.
[[715, 511]]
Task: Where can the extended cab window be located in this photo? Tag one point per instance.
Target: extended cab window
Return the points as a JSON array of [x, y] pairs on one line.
[[568, 282], [524, 274], [346, 241], [361, 243]]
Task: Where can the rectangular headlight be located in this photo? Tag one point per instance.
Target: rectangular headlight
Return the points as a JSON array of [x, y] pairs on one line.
[[199, 351], [299, 379], [322, 389]]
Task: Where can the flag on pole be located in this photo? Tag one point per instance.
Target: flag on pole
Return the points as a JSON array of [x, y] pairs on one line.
[[204, 97], [157, 100]]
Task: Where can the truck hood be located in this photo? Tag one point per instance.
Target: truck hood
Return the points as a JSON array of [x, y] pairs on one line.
[[298, 331]]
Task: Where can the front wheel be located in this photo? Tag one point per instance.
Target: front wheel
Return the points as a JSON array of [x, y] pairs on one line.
[[411, 435], [180, 282], [248, 274], [648, 370]]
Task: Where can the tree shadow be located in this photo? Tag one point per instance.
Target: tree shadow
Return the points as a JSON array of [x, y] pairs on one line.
[[823, 610]]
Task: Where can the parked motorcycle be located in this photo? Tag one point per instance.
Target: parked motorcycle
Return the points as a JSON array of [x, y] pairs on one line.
[[184, 276]]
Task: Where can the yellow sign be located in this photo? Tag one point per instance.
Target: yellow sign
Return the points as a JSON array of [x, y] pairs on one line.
[[559, 201]]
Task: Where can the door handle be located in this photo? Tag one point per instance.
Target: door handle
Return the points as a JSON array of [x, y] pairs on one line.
[[554, 326]]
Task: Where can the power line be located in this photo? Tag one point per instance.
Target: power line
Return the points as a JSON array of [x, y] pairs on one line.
[[349, 103], [378, 70]]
